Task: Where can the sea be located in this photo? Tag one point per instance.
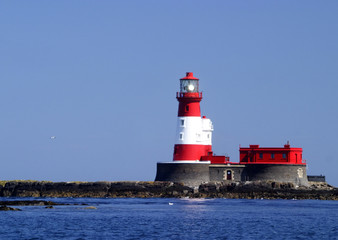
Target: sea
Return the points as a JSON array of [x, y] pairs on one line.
[[167, 218]]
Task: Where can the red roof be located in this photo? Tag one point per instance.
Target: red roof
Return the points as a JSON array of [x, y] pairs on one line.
[[189, 76]]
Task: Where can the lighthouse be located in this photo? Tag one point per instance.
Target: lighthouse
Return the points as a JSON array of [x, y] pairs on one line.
[[193, 132]]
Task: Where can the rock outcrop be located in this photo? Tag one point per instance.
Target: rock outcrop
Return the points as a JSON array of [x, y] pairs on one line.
[[30, 203], [5, 208], [47, 204], [133, 189]]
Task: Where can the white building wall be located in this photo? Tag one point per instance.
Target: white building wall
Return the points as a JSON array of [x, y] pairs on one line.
[[207, 129]]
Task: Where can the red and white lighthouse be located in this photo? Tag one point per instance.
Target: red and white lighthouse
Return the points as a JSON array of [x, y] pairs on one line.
[[194, 162], [193, 135]]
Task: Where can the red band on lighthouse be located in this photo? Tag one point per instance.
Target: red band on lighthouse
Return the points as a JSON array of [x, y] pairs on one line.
[[184, 152], [189, 104]]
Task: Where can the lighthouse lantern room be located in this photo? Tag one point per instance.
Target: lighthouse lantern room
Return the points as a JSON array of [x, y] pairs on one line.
[[193, 136], [189, 83]]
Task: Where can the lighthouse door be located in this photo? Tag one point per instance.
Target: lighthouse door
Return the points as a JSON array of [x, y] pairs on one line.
[[229, 175]]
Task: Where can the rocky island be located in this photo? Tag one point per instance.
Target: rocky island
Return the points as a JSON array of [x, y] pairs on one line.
[[157, 189]]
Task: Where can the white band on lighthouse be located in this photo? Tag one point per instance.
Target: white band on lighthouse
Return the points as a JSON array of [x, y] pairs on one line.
[[194, 130]]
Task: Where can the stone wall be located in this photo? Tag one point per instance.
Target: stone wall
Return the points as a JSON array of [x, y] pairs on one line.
[[295, 174], [192, 174]]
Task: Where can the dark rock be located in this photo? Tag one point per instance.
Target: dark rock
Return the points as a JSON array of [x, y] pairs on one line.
[[5, 208], [90, 207], [132, 189], [30, 203]]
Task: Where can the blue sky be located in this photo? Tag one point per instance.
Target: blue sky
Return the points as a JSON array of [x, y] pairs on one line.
[[102, 76]]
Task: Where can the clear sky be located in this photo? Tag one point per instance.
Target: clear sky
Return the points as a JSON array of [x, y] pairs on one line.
[[101, 76]]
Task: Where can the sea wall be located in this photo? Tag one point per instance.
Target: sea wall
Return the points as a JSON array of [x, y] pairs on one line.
[[249, 190]]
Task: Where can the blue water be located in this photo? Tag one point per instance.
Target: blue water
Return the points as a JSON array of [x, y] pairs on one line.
[[184, 219]]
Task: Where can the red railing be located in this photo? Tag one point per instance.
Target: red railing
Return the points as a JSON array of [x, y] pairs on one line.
[[189, 94]]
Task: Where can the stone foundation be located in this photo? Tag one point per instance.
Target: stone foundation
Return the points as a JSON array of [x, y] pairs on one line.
[[192, 174]]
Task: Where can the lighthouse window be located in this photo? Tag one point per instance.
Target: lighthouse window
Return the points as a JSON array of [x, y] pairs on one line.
[[198, 136], [182, 122], [187, 108], [181, 136], [272, 155]]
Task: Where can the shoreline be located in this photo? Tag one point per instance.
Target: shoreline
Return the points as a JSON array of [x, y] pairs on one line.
[[149, 189]]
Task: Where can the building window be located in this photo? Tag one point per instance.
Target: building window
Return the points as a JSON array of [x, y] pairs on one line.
[[284, 155], [181, 136], [208, 135], [261, 155], [272, 156], [182, 122]]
